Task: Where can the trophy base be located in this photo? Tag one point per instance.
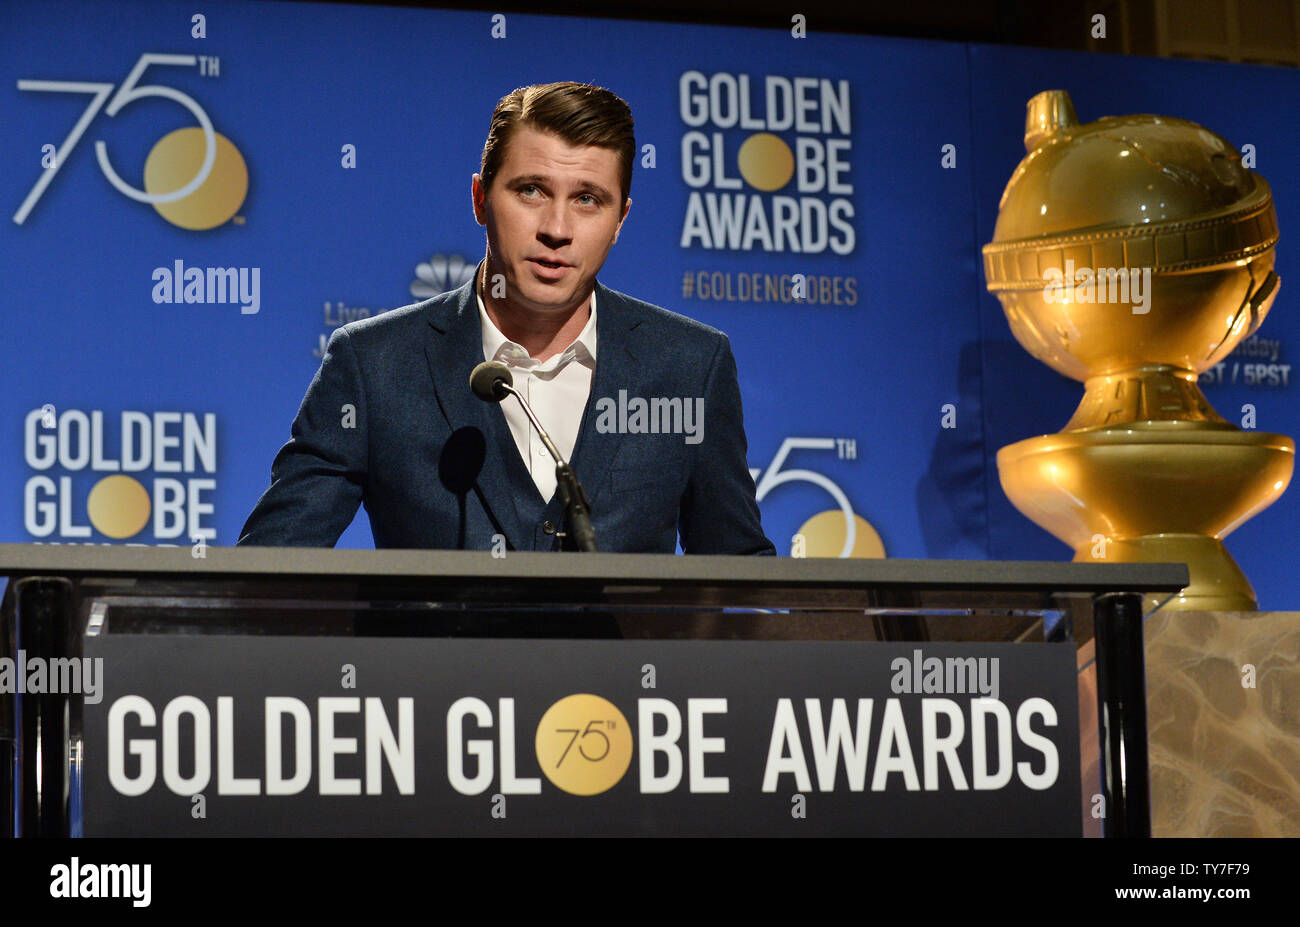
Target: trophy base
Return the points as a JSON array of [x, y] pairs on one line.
[[1217, 582], [1152, 491]]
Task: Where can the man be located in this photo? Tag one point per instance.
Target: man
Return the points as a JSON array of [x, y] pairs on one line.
[[390, 421]]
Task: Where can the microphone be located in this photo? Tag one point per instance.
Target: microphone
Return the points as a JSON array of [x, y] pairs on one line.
[[492, 381]]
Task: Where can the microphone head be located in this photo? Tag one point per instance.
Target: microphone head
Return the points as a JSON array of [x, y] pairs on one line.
[[489, 379]]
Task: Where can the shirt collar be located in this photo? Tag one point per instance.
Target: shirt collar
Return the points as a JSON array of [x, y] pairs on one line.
[[497, 346]]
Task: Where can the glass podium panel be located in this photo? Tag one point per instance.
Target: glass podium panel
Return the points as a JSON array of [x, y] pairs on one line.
[[971, 670]]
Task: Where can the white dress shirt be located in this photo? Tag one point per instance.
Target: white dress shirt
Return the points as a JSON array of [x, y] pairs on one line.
[[557, 390]]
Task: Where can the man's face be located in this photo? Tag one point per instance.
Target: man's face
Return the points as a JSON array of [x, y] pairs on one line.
[[552, 215]]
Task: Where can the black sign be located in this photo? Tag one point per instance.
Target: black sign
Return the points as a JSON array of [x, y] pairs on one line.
[[210, 735]]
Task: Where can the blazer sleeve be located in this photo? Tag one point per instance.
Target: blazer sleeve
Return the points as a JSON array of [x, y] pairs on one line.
[[318, 478], [719, 513]]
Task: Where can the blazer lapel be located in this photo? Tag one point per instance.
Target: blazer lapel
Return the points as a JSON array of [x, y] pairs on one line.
[[454, 349], [616, 366]]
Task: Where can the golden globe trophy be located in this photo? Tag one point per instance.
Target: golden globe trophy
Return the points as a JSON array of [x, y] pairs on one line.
[[1134, 253]]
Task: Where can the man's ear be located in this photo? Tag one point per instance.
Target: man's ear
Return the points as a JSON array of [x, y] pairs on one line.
[[626, 206], [478, 198]]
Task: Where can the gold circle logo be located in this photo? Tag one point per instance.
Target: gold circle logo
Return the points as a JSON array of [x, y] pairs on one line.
[[824, 536], [176, 159], [584, 744], [118, 506], [766, 162]]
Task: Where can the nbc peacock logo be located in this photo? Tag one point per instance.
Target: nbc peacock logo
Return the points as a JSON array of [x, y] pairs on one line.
[[439, 274], [194, 177]]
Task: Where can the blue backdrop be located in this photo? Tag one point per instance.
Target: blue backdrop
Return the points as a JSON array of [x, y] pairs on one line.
[[345, 138]]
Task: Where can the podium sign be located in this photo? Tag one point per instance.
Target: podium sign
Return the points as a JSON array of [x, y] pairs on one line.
[[301, 691], [220, 735]]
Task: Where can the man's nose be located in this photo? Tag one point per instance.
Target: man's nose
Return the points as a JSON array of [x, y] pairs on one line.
[[555, 222]]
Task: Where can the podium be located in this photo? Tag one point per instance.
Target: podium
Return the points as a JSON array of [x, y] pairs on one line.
[[314, 691]]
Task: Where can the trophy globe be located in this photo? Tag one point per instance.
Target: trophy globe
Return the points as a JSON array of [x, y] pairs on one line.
[[1134, 253]]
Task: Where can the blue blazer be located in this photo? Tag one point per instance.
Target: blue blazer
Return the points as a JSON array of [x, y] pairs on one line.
[[390, 422]]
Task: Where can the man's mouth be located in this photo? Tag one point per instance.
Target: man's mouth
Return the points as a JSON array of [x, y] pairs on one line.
[[549, 271]]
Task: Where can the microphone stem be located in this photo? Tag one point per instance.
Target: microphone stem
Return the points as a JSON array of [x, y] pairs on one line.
[[541, 432], [577, 510]]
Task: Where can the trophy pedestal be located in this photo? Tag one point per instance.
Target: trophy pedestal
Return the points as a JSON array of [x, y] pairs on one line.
[[1153, 492], [1218, 584]]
